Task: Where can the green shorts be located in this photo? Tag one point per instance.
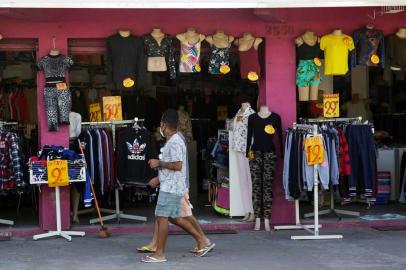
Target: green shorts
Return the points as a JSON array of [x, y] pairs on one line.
[[307, 74]]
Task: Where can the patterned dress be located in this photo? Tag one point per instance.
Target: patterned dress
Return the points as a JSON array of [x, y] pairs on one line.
[[190, 57]]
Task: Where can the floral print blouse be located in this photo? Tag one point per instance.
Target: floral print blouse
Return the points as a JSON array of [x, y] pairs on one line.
[[218, 58], [165, 49], [240, 130]]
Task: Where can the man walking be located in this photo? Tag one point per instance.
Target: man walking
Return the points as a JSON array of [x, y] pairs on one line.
[[172, 176]]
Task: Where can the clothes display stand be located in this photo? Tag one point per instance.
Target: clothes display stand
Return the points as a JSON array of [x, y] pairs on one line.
[[333, 210], [43, 179], [298, 225], [3, 124], [114, 213], [315, 232]]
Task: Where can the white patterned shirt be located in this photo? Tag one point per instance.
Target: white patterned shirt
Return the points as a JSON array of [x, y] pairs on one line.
[[240, 130], [173, 181]]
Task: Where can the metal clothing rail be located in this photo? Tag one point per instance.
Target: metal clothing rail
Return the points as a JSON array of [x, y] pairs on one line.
[[316, 226], [114, 213], [332, 209]]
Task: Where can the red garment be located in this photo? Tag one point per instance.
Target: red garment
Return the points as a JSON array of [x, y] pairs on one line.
[[21, 105], [345, 166], [12, 104], [249, 62]]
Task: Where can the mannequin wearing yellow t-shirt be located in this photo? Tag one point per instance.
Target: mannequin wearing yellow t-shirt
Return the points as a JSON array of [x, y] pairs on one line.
[[336, 47]]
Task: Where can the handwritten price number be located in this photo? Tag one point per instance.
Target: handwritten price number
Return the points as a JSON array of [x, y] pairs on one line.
[[314, 151], [111, 111], [58, 173], [331, 107]]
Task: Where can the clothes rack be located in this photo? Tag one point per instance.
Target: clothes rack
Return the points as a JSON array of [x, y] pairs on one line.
[[315, 232], [114, 213], [332, 209], [2, 124]]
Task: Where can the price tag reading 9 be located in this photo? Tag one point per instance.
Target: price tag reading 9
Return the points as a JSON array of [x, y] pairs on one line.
[[331, 105], [314, 150], [57, 173]]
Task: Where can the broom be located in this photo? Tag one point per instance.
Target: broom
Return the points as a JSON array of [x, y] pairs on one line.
[[103, 232]]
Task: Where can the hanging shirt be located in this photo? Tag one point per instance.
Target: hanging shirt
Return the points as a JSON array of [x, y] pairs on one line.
[[125, 59], [75, 124], [396, 52], [135, 148], [336, 49], [368, 42], [262, 131], [164, 49], [240, 130]]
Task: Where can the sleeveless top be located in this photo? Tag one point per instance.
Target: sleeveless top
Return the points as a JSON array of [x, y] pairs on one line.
[[190, 57], [307, 52], [218, 57], [249, 62]]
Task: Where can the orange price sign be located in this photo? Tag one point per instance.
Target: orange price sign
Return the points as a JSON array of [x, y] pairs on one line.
[[331, 105], [314, 150], [95, 112], [112, 109], [57, 173]]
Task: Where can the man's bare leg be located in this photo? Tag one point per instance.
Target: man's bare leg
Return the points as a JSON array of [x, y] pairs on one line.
[[162, 235], [189, 228]]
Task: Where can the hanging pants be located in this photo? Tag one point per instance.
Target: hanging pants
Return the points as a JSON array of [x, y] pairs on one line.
[[263, 172], [57, 106], [245, 182]]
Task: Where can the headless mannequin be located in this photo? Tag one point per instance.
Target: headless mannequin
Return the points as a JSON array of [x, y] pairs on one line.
[[338, 32], [220, 39], [308, 92], [54, 52], [158, 63], [401, 33], [369, 26], [190, 36], [264, 112], [124, 33], [247, 41], [244, 106]]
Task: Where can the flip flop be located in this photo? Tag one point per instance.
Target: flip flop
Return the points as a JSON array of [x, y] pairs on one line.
[[195, 250], [145, 249], [203, 252], [150, 259]]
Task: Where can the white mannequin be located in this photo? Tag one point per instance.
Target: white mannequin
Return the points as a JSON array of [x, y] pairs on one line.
[[264, 112], [244, 106], [124, 33], [246, 42], [158, 63], [220, 39], [337, 32]]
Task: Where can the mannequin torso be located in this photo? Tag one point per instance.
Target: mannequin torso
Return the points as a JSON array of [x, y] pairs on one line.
[[124, 33], [247, 42], [264, 112], [248, 50], [401, 33], [337, 32], [190, 51], [190, 36], [157, 63], [220, 39], [309, 38], [54, 52]]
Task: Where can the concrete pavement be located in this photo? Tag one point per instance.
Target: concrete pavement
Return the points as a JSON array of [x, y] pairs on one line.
[[360, 249]]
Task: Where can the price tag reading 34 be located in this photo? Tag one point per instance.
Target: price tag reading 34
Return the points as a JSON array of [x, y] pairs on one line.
[[314, 150], [112, 109], [57, 173], [331, 105]]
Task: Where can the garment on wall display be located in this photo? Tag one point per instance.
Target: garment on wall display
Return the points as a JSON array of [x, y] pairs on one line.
[[396, 52], [308, 69], [219, 57], [336, 49], [125, 60], [162, 49], [135, 148], [57, 94], [370, 48], [190, 57], [249, 61]]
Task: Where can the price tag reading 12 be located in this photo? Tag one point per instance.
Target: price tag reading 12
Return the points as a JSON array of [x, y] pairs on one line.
[[57, 173], [112, 108], [331, 105], [314, 150]]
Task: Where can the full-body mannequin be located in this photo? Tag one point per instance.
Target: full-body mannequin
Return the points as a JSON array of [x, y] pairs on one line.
[[310, 92], [156, 64], [262, 127]]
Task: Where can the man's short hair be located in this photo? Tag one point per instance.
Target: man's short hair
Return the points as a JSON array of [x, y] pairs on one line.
[[171, 118]]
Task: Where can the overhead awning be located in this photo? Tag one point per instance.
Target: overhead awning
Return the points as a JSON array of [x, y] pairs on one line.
[[132, 4]]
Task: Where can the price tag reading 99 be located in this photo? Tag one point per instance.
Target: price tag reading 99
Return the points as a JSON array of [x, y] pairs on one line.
[[57, 173], [331, 105], [314, 150], [112, 108]]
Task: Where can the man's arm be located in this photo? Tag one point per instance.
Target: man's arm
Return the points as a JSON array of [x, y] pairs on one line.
[[173, 166]]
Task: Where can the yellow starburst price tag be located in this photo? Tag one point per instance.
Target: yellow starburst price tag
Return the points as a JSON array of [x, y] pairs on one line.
[[253, 76]]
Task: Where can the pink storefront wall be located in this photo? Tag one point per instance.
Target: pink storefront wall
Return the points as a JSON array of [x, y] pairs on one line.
[[278, 27]]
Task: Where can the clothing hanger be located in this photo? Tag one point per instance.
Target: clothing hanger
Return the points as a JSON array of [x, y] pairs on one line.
[[136, 126]]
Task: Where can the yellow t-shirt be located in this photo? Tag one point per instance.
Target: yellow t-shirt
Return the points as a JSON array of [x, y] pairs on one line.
[[336, 50]]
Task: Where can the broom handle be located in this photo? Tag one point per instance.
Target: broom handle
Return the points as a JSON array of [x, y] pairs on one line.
[[91, 185]]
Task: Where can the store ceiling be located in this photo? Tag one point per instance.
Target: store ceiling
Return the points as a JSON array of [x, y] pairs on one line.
[[127, 4]]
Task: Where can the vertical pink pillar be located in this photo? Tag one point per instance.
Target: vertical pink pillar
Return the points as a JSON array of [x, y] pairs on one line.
[[281, 98], [47, 215]]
